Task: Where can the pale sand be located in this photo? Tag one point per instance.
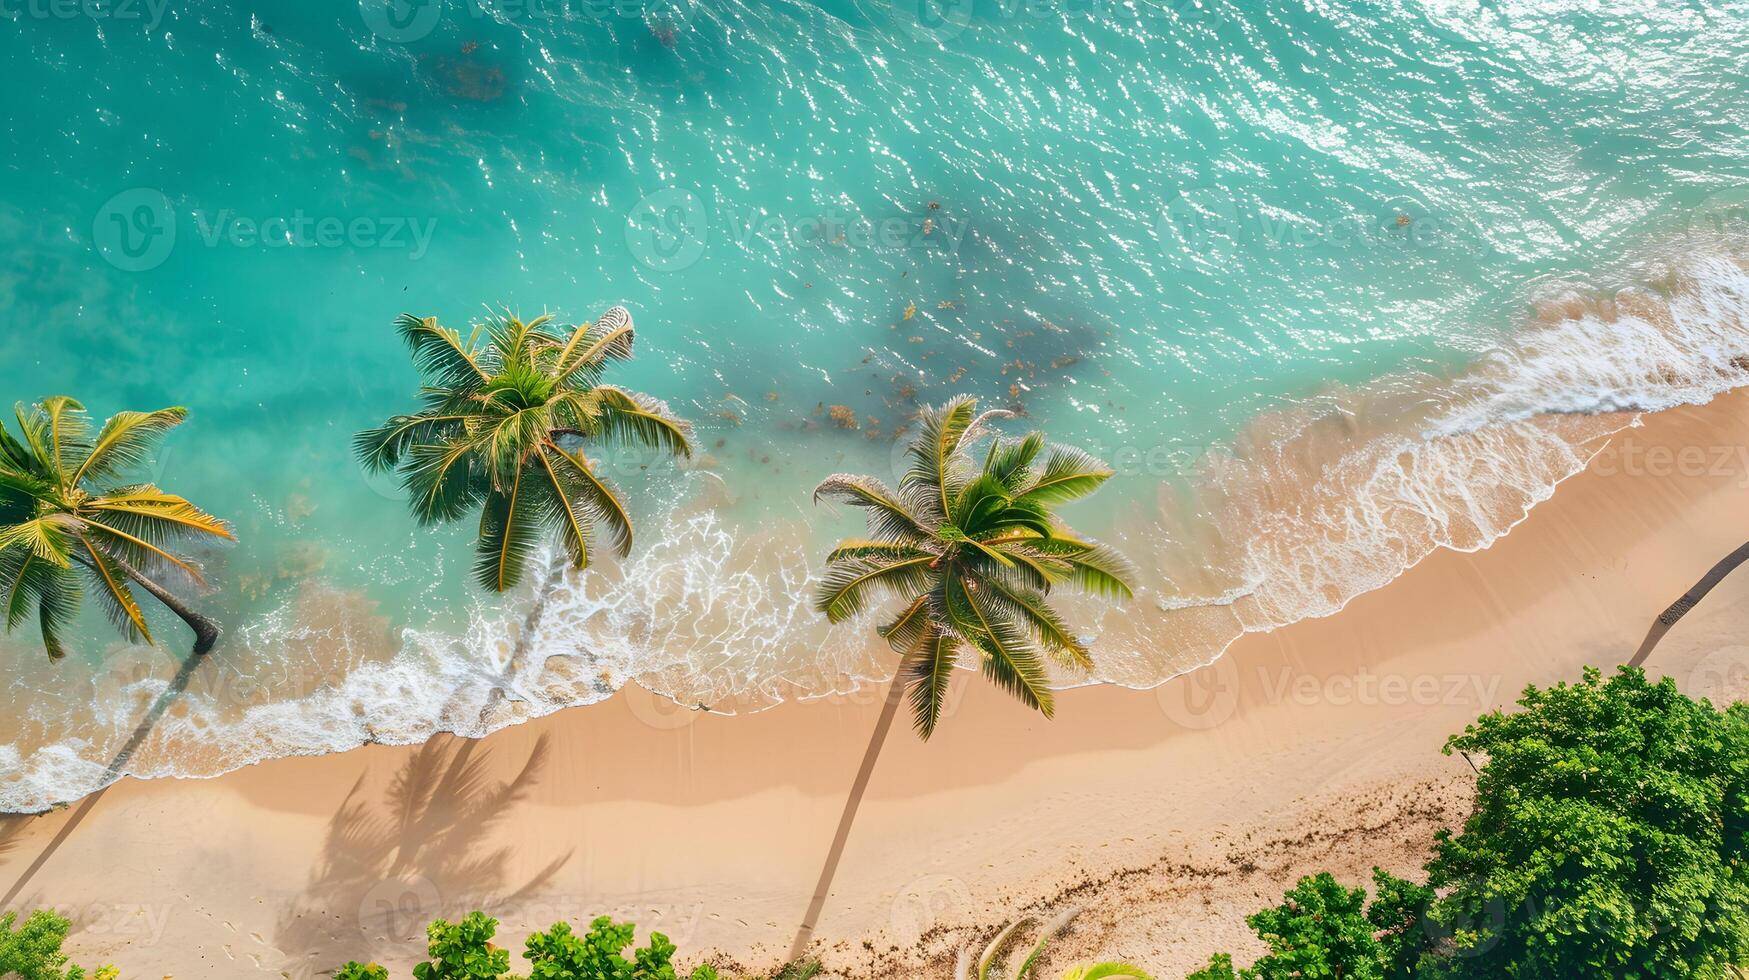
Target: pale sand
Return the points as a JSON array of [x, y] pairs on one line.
[[1167, 814]]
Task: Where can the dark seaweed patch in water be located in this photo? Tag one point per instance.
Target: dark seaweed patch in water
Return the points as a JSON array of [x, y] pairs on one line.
[[469, 77]]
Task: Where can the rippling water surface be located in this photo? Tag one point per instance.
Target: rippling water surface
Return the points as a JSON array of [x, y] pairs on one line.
[[1332, 284]]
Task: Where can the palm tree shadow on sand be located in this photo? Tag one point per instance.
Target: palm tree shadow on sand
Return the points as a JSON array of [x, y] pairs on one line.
[[11, 833], [423, 851]]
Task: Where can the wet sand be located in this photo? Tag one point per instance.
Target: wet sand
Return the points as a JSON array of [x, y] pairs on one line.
[[1167, 814]]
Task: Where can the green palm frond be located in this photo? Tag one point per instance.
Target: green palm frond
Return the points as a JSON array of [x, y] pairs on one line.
[[1068, 474], [1091, 566], [15, 457], [509, 532], [125, 442], [591, 346], [1036, 617], [381, 449], [440, 480], [1103, 971], [60, 517], [632, 419], [1011, 659], [989, 549], [905, 632], [28, 581], [493, 435], [114, 592], [889, 517], [564, 509], [158, 517], [600, 500], [1010, 461], [56, 605], [849, 585], [938, 460], [931, 672], [48, 538], [440, 354], [863, 548], [68, 432], [138, 551]]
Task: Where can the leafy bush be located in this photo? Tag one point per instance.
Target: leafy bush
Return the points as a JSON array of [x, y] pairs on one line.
[[465, 951], [33, 950], [558, 954], [1322, 929], [1608, 839], [1220, 968]]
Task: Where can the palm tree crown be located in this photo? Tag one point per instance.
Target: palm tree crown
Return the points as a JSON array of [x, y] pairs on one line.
[[972, 551], [61, 515], [502, 430]]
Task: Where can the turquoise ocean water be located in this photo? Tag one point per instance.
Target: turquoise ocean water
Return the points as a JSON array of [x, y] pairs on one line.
[[1332, 283]]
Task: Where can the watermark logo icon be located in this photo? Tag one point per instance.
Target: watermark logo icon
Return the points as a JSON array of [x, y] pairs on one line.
[[135, 231], [401, 21], [926, 902], [667, 230], [399, 907], [1204, 698], [937, 20], [1723, 212], [1721, 676]]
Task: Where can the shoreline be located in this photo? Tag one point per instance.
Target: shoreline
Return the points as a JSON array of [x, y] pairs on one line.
[[1311, 505], [1168, 813]]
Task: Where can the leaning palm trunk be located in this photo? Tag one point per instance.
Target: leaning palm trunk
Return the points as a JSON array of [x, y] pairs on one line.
[[1689, 600], [895, 693], [206, 632]]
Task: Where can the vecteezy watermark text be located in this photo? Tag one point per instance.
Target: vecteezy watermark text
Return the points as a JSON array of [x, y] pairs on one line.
[[301, 230], [138, 229], [151, 12], [406, 21]]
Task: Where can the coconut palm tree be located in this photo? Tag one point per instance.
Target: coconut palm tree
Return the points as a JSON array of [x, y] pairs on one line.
[[970, 551], [65, 520], [503, 429]]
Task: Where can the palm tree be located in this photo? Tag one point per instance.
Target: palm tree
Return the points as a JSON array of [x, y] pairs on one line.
[[61, 513], [502, 430], [970, 552]]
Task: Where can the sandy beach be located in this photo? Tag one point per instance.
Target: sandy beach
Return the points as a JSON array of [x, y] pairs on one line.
[[1167, 814]]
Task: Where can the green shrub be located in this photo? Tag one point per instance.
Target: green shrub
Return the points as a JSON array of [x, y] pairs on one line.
[[33, 950], [1323, 929], [560, 954], [463, 951], [1607, 840], [1220, 968], [1608, 836]]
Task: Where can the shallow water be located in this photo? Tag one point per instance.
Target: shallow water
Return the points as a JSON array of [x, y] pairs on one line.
[[1313, 278]]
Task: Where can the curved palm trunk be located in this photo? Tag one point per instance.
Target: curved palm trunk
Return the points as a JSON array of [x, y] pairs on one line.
[[1689, 599], [895, 694], [206, 632]]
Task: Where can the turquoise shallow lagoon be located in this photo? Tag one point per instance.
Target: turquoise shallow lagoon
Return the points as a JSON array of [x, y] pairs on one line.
[[1332, 284]]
